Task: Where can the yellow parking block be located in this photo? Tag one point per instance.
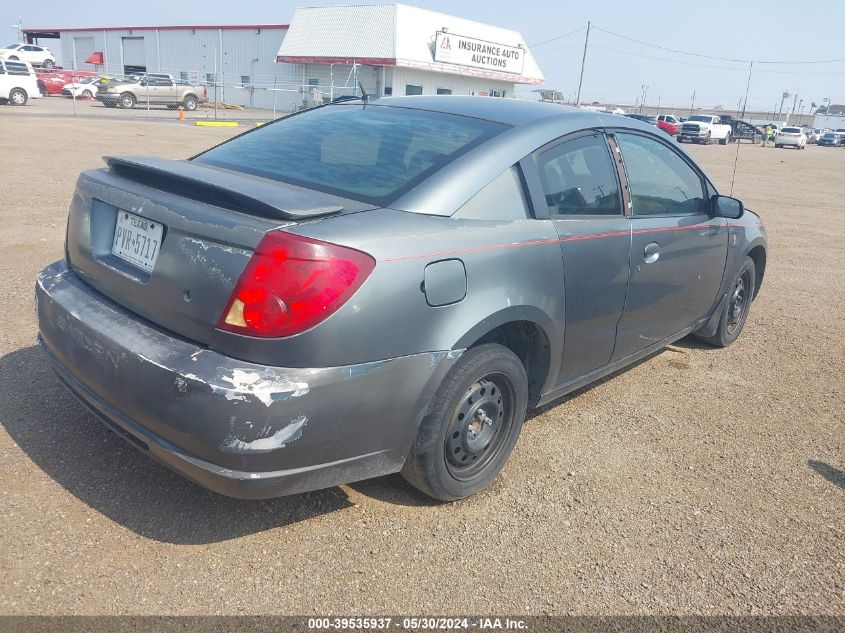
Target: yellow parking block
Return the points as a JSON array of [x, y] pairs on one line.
[[217, 123]]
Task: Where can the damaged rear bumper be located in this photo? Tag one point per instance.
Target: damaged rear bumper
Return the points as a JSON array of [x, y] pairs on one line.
[[238, 428]]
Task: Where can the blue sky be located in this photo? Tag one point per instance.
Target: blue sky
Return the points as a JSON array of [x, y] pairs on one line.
[[617, 69]]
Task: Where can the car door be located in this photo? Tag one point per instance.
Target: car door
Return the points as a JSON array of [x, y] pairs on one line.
[[165, 90], [583, 196], [678, 249]]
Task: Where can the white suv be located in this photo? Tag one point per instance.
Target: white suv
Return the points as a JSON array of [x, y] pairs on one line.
[[35, 55], [18, 83]]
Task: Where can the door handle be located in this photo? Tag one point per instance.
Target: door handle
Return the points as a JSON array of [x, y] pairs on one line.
[[651, 253]]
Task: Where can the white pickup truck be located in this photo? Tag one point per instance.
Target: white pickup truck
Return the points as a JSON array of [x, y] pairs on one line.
[[703, 128]]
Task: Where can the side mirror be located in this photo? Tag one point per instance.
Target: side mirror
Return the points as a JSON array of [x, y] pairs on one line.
[[726, 207]]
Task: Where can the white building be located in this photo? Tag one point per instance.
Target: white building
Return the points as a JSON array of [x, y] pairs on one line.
[[324, 53], [402, 50]]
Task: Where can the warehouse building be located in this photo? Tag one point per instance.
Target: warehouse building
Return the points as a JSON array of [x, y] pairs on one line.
[[324, 53]]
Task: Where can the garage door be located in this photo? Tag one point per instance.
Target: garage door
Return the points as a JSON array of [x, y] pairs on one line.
[[82, 48], [134, 55]]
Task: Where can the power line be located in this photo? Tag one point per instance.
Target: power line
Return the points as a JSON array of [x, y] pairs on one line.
[[723, 59], [688, 63], [556, 48], [559, 37]]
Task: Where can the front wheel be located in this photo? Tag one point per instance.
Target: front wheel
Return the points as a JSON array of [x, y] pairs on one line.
[[18, 96], [471, 426], [735, 310], [127, 100]]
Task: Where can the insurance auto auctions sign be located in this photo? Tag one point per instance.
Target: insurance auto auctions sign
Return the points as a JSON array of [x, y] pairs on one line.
[[467, 51]]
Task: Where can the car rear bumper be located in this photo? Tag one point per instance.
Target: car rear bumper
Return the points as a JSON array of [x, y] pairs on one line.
[[788, 140], [238, 428]]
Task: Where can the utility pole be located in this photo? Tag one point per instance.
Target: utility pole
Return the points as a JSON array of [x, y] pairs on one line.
[[19, 29], [583, 62], [692, 104]]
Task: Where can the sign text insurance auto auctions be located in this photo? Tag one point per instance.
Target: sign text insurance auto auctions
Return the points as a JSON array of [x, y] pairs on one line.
[[467, 51]]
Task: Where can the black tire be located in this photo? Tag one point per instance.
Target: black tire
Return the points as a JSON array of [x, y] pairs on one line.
[[13, 58], [127, 100], [48, 63], [460, 448], [707, 140], [725, 140], [87, 94], [680, 140], [734, 314], [190, 103], [18, 97]]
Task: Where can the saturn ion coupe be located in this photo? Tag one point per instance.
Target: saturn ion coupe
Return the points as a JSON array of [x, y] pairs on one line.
[[384, 286]]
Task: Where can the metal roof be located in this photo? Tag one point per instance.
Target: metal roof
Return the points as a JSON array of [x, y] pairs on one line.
[[195, 27], [397, 35]]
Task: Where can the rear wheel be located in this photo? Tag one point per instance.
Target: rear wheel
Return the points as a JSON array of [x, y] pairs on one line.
[[48, 63], [725, 140], [87, 94], [735, 310], [190, 103], [13, 58], [471, 426], [18, 96]]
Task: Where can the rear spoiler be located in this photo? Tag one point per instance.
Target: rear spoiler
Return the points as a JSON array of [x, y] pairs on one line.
[[222, 188]]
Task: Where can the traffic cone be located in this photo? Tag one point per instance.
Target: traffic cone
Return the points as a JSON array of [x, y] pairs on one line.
[[181, 113]]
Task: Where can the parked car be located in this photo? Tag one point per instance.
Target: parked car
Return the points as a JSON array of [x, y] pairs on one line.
[[812, 135], [35, 55], [830, 139], [158, 89], [669, 123], [370, 287], [645, 118], [51, 81], [18, 83], [86, 88], [703, 128], [791, 137]]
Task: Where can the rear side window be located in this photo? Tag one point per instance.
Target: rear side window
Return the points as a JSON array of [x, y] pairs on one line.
[[579, 178], [370, 153], [661, 182]]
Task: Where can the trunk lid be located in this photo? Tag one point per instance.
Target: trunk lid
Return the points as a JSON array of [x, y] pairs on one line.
[[208, 220]]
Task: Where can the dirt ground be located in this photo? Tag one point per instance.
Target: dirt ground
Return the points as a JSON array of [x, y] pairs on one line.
[[699, 481]]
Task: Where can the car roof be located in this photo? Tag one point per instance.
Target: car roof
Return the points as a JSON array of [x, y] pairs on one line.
[[502, 110]]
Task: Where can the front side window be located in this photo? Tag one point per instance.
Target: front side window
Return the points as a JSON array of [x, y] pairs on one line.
[[579, 178], [660, 181], [370, 153]]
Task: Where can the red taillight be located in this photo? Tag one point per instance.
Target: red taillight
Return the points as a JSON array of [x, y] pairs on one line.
[[291, 284]]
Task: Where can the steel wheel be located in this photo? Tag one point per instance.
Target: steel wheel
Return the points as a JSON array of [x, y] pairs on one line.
[[480, 426], [738, 302]]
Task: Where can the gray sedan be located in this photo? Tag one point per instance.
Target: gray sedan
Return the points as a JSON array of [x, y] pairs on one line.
[[387, 286]]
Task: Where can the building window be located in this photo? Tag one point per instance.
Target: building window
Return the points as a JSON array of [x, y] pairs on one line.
[[313, 82], [497, 93], [410, 89], [183, 76], [444, 91], [209, 78], [244, 80], [388, 90]]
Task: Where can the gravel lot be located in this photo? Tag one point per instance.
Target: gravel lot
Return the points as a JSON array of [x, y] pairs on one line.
[[699, 481]]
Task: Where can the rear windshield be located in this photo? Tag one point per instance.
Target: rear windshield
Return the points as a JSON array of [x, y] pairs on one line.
[[791, 130], [370, 153]]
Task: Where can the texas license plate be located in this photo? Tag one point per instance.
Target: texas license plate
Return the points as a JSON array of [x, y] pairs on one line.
[[137, 240]]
